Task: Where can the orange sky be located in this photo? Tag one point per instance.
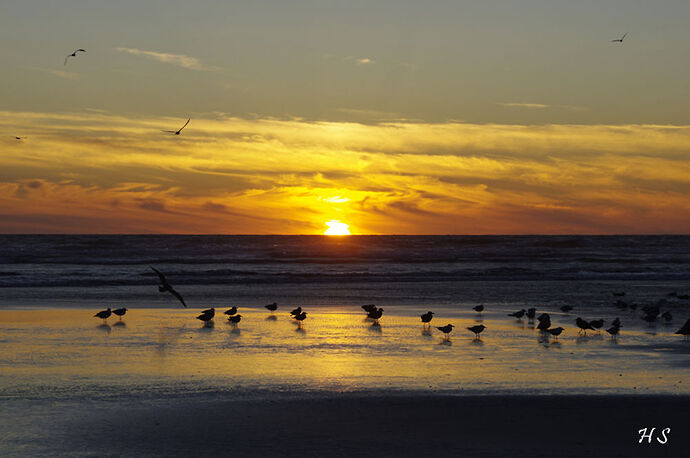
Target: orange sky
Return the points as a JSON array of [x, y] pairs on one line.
[[96, 172]]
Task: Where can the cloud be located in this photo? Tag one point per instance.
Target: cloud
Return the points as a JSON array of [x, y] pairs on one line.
[[525, 105], [191, 63], [58, 73], [364, 61]]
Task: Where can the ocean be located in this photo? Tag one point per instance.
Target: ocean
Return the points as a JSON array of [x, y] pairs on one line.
[[396, 271]]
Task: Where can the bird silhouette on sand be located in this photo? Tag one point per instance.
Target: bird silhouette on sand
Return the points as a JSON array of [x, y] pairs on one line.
[[165, 287]]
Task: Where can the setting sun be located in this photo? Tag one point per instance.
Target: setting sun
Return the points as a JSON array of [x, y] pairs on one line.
[[335, 227]]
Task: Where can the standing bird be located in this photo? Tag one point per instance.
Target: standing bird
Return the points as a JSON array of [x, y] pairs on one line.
[[206, 317], [120, 312], [619, 40], [477, 330], [597, 324], [369, 307], [177, 132], [685, 330], [211, 311], [234, 319], [555, 332], [300, 317], [104, 314], [426, 317], [446, 329], [165, 287], [544, 322], [613, 330], [566, 308], [74, 54], [478, 308], [620, 294], [296, 312], [616, 322], [518, 314], [231, 311], [531, 313], [583, 325], [375, 315], [272, 307]]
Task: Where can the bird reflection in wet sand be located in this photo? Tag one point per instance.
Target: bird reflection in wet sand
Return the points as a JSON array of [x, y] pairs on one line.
[[271, 318], [120, 324], [104, 327], [426, 332]]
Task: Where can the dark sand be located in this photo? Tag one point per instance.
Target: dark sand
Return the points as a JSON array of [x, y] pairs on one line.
[[352, 425]]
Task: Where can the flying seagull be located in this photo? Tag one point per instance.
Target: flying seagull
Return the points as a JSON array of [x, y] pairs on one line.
[[74, 54], [620, 40], [165, 286], [19, 138], [177, 132]]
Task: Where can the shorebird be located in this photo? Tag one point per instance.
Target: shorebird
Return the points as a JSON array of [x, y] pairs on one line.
[[375, 315], [211, 311], [206, 317], [74, 54], [531, 313], [477, 330], [165, 287], [272, 307], [616, 322], [685, 330], [518, 314], [478, 308], [446, 329], [566, 308], [300, 317], [120, 312], [296, 312], [177, 132], [613, 330], [104, 314], [426, 317], [620, 40], [620, 294], [234, 319], [555, 332], [583, 325], [231, 311], [369, 307], [544, 322], [667, 316], [597, 324]]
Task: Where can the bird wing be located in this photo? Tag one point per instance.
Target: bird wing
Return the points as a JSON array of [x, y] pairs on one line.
[[178, 296], [66, 59], [80, 49], [164, 281], [185, 125], [169, 131], [623, 37]]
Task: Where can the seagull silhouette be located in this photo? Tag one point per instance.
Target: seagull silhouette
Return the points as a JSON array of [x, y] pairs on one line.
[[165, 286], [620, 40], [477, 330], [231, 311], [555, 332], [234, 319], [120, 312], [74, 54], [446, 330], [19, 138], [177, 132], [478, 308], [103, 314], [272, 307], [426, 317]]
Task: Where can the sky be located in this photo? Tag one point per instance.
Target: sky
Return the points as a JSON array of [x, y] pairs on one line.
[[393, 117]]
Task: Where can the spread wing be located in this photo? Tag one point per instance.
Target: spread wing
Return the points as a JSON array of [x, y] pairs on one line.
[[185, 125], [164, 281], [178, 296], [66, 59]]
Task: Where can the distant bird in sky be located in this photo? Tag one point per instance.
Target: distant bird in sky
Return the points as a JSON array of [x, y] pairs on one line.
[[519, 314], [234, 319], [177, 132], [74, 54], [272, 307], [555, 332], [583, 325], [165, 287], [477, 330], [426, 317], [620, 40], [103, 314], [478, 308], [19, 138], [446, 329], [120, 312], [231, 311]]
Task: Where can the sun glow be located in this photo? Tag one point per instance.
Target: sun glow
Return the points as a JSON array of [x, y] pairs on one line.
[[335, 227]]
